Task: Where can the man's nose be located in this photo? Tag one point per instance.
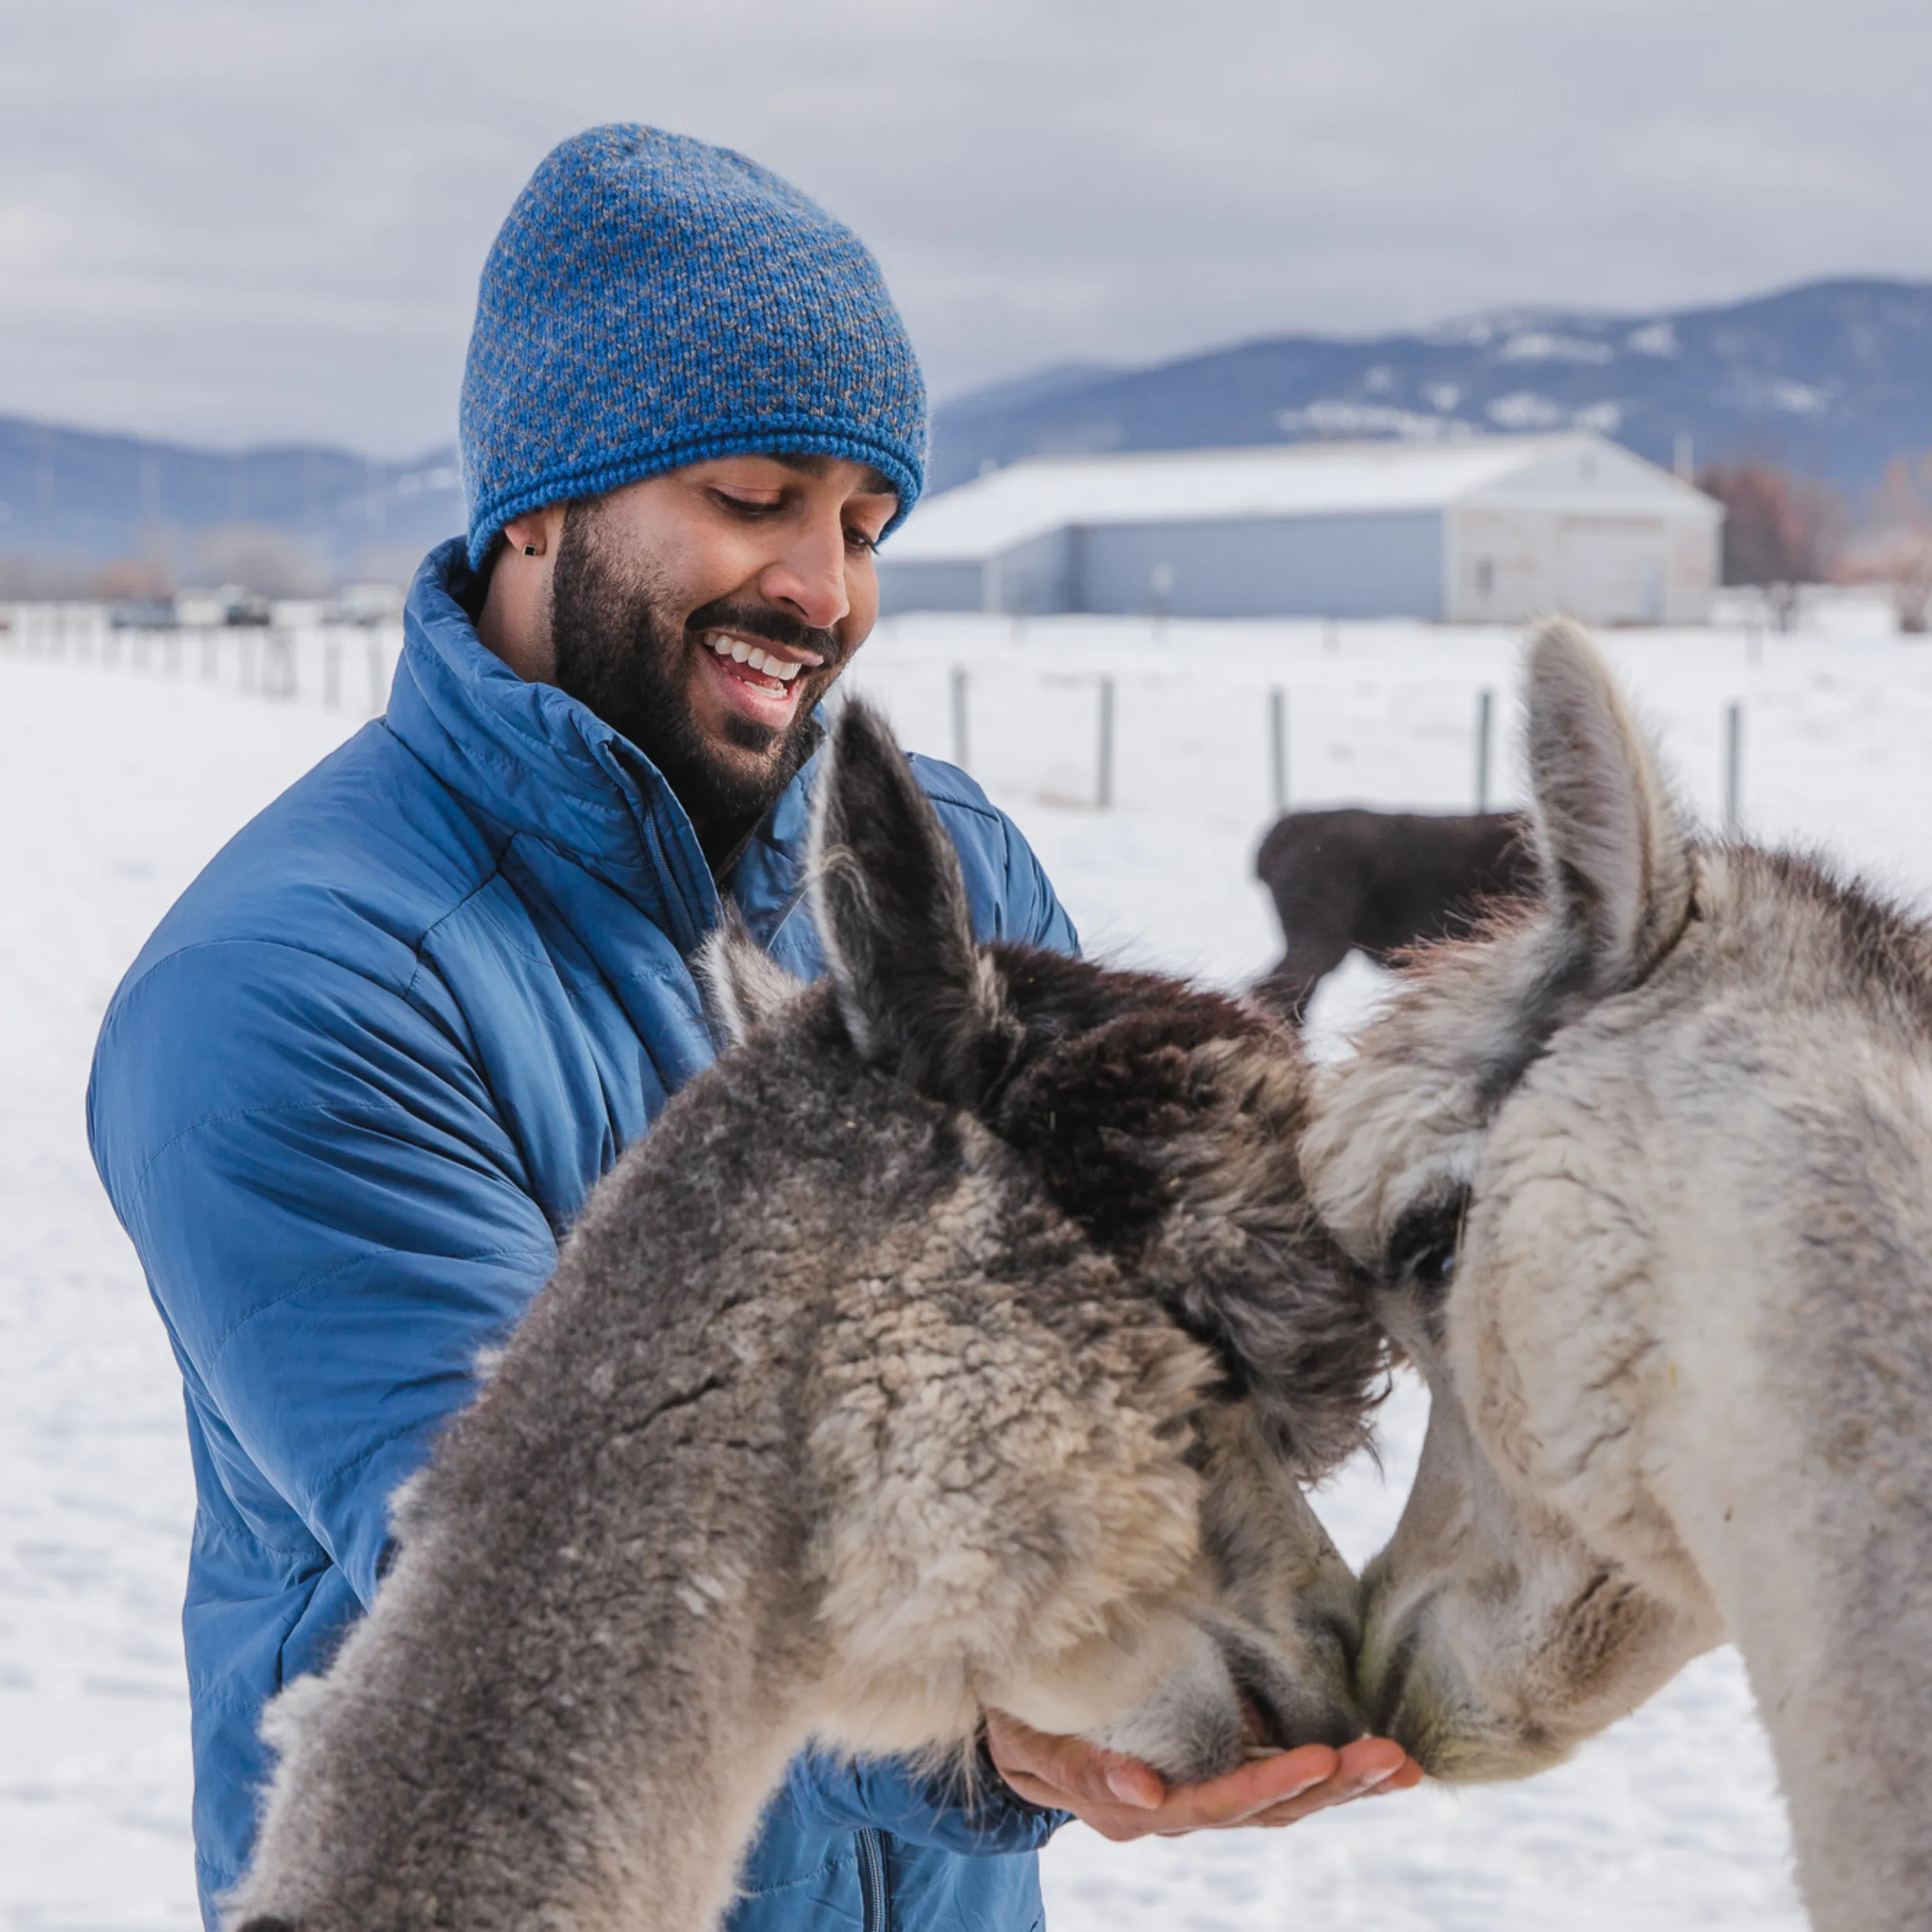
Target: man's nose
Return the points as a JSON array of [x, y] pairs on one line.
[[810, 576]]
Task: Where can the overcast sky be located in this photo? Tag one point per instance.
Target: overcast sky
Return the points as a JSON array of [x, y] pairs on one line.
[[243, 222]]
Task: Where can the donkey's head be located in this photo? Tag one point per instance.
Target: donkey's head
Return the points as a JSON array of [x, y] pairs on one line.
[[1161, 1123], [1483, 1154]]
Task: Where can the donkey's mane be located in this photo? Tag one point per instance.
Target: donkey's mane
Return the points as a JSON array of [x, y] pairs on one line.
[[1106, 1097], [1103, 1081], [1886, 948]]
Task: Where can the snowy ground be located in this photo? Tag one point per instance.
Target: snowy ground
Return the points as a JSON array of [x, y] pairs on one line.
[[119, 783]]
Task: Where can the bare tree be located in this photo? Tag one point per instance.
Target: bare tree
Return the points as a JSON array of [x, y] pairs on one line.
[[1781, 531], [128, 577], [262, 558], [1903, 552]]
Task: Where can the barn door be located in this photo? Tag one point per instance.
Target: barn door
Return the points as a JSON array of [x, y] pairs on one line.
[[1610, 570]]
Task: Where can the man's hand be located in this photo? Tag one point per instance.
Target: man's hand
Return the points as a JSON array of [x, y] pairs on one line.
[[1121, 1798]]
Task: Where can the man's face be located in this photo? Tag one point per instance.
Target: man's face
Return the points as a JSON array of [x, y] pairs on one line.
[[703, 613]]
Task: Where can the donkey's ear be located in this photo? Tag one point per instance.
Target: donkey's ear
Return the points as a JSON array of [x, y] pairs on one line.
[[1615, 856], [916, 994], [743, 985]]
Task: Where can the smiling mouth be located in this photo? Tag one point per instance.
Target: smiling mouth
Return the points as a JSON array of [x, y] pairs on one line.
[[764, 667]]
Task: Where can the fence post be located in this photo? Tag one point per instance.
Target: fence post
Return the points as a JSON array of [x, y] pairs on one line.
[[1485, 719], [278, 664], [1103, 773], [375, 675], [1160, 594], [1734, 766], [332, 671], [1278, 747], [959, 740]]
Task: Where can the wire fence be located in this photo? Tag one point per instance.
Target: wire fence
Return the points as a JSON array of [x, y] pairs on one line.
[[344, 666], [1065, 737], [1144, 738]]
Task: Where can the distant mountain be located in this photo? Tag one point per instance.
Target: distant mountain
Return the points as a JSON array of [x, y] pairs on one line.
[[1833, 378], [72, 500]]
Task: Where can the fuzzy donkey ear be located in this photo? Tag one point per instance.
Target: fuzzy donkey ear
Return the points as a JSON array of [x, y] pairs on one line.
[[1615, 857], [743, 985], [916, 994]]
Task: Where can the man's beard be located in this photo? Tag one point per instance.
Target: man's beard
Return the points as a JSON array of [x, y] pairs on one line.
[[622, 652]]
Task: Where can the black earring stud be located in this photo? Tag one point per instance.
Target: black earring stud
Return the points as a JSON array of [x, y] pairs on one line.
[[529, 550]]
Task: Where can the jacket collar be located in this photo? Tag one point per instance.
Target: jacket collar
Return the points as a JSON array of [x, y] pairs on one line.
[[533, 762]]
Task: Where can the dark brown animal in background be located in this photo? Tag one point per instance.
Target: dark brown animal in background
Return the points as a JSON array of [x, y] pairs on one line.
[[1378, 882]]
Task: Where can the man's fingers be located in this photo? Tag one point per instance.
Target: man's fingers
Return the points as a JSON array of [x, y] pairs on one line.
[[1131, 1782], [1372, 1760], [1075, 1771], [1121, 1798], [1246, 1793], [1364, 1768]]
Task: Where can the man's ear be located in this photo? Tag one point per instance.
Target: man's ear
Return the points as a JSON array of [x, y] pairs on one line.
[[535, 532], [916, 994], [743, 985]]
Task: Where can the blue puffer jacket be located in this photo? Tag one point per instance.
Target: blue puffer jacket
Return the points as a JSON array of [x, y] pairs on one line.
[[346, 1101]]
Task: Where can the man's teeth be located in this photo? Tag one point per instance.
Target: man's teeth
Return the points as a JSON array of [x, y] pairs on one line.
[[783, 669]]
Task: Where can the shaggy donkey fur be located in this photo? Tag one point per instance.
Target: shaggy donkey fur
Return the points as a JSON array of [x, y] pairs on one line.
[[1645, 1171], [957, 1340]]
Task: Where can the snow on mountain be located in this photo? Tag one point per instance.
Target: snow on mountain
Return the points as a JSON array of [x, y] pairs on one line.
[[1832, 378]]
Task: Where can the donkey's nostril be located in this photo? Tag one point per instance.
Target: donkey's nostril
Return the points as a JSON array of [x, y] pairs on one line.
[[1256, 1739]]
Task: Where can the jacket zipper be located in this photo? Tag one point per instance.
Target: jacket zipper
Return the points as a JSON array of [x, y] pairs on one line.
[[878, 1911]]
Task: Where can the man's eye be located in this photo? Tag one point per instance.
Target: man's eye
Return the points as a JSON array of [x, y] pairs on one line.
[[859, 540], [742, 506]]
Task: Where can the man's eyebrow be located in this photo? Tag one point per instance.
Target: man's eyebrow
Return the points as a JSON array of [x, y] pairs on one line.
[[808, 463]]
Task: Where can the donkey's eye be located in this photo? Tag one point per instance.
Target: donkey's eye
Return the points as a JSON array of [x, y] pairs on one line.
[[1425, 1244]]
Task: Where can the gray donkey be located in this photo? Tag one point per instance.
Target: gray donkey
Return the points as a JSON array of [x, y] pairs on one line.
[[959, 1340], [1645, 1168]]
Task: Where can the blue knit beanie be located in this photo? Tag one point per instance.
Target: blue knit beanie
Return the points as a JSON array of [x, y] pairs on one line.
[[652, 300]]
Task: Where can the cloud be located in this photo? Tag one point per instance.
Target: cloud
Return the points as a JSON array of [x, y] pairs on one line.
[[256, 222]]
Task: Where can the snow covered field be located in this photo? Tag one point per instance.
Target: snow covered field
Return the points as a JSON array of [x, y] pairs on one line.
[[118, 784]]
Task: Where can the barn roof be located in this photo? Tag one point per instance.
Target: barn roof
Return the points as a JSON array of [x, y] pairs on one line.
[[994, 513]]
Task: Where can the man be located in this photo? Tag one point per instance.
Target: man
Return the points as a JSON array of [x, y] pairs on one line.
[[353, 1089]]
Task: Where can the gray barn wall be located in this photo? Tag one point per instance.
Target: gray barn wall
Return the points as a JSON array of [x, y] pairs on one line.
[[1033, 579], [1383, 565], [1038, 578], [1389, 565], [928, 586]]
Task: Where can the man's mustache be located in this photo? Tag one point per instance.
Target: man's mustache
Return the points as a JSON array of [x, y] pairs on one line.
[[774, 626]]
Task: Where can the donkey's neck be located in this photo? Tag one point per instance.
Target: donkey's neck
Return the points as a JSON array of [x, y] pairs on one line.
[[1801, 1472]]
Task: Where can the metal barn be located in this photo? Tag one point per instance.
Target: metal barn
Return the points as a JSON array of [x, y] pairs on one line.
[[1492, 529]]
